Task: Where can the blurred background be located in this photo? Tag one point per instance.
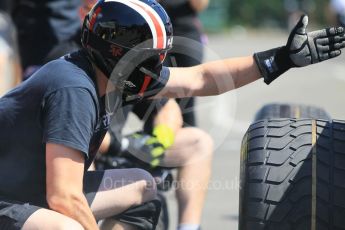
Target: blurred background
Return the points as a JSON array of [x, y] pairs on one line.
[[237, 28], [223, 14]]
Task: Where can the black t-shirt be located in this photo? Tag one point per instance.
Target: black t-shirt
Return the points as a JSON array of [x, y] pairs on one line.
[[58, 104], [6, 5]]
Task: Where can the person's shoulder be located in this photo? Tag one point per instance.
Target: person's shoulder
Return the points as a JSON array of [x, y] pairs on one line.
[[61, 73], [65, 71]]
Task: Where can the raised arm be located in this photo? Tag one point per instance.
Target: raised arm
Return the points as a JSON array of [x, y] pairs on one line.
[[217, 77], [212, 78]]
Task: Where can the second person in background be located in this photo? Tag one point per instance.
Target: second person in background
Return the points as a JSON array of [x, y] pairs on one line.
[[186, 52], [42, 26]]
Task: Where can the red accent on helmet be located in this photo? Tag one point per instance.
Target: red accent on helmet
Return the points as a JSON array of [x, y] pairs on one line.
[[159, 29], [146, 83], [94, 17], [116, 51], [162, 57]]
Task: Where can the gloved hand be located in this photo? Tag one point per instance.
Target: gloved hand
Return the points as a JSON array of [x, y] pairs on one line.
[[150, 149], [302, 49]]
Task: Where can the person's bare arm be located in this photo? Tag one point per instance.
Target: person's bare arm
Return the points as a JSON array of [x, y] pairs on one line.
[[211, 78], [199, 5], [64, 184], [302, 49]]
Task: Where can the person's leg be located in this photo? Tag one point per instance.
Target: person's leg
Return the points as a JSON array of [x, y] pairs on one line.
[[192, 154], [109, 194], [15, 215], [187, 109], [140, 217], [119, 192], [121, 189], [44, 219]]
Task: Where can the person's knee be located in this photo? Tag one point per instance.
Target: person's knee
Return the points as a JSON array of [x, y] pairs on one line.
[[66, 224], [48, 219], [203, 144], [206, 141], [147, 186], [72, 225]]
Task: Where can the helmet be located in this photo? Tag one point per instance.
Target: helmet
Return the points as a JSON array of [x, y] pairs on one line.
[[114, 28]]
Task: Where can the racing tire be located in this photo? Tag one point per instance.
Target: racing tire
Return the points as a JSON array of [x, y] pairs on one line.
[[293, 175], [275, 110]]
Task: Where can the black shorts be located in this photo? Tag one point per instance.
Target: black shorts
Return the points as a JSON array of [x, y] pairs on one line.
[[13, 214]]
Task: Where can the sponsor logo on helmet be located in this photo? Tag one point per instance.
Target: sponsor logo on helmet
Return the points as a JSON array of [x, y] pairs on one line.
[[170, 42], [116, 51]]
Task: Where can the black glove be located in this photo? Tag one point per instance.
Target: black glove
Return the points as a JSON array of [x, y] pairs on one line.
[[302, 49], [145, 148]]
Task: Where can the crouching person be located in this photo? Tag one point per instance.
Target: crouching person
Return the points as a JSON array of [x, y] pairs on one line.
[[53, 123]]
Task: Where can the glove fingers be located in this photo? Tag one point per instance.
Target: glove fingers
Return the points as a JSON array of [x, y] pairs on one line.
[[339, 38], [155, 163], [325, 49], [338, 46], [157, 152], [333, 31], [329, 55], [330, 44], [330, 40], [334, 53], [152, 141], [158, 155], [329, 32], [298, 35], [324, 56], [301, 26]]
